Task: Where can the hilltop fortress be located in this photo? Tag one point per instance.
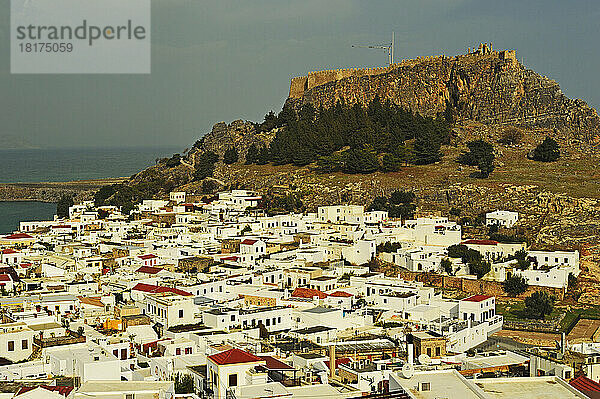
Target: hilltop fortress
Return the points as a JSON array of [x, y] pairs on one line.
[[302, 84], [483, 85]]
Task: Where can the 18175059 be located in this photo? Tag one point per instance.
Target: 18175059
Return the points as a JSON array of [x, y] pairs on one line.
[[46, 47]]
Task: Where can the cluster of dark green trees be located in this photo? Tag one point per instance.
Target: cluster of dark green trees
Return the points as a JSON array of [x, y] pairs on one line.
[[470, 257], [480, 154], [352, 139], [388, 246], [126, 196], [205, 165], [275, 204], [400, 204]]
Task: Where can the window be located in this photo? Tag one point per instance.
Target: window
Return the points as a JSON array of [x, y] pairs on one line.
[[232, 317], [429, 352], [178, 351], [11, 346], [425, 386], [24, 344], [567, 375], [233, 380], [180, 313], [130, 396]]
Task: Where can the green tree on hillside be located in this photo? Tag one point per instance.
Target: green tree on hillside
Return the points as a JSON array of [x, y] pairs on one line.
[[359, 161], [446, 265], [230, 156], [252, 154], [400, 204], [480, 154], [547, 151], [515, 285], [479, 267], [205, 165], [63, 205], [539, 304]]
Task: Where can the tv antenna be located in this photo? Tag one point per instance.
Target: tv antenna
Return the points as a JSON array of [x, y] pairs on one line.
[[389, 48]]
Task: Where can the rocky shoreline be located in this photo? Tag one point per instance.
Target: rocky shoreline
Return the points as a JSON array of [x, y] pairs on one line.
[[52, 191]]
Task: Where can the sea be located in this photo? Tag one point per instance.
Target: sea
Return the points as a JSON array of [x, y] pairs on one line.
[[58, 165]]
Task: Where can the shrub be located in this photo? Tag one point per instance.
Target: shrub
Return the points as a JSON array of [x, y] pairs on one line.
[[515, 285], [510, 136], [175, 160], [547, 151], [539, 304]]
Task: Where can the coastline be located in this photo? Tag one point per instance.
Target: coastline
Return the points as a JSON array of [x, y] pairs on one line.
[[51, 191]]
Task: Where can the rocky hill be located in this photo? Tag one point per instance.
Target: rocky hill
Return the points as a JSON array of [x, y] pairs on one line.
[[484, 85]]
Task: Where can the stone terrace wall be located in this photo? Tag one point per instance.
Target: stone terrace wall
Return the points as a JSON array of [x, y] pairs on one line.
[[473, 287]]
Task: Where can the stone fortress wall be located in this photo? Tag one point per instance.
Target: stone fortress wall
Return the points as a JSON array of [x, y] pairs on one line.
[[301, 84]]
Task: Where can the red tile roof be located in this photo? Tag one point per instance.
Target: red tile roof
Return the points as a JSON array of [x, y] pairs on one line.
[[308, 293], [155, 289], [62, 390], [338, 361], [586, 385], [4, 277], [276, 364], [91, 301], [481, 242], [477, 298], [341, 294], [234, 356], [248, 241], [8, 251], [147, 256], [17, 236], [233, 258], [149, 269]]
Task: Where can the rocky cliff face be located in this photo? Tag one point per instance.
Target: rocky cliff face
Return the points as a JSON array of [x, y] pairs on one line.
[[492, 88], [238, 134]]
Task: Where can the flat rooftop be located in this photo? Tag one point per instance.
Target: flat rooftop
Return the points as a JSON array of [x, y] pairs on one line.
[[505, 359], [442, 384], [528, 387]]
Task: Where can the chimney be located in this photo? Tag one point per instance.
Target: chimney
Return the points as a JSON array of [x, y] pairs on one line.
[[332, 360], [410, 350]]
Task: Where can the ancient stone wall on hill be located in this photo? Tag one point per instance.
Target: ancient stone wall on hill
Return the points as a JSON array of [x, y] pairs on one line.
[[491, 87]]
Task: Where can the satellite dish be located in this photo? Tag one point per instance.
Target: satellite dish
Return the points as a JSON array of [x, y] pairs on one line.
[[424, 359], [407, 370]]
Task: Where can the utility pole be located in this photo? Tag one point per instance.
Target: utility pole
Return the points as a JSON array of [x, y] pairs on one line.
[[389, 48]]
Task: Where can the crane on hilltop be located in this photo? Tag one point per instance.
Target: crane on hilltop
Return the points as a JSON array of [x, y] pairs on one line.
[[389, 48]]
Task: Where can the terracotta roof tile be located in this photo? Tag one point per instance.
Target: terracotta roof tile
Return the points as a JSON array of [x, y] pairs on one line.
[[234, 356]]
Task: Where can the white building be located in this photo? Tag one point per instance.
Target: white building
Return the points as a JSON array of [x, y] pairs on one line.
[[16, 341], [228, 371], [501, 218]]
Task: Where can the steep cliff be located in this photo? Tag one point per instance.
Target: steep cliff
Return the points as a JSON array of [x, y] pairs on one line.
[[490, 87]]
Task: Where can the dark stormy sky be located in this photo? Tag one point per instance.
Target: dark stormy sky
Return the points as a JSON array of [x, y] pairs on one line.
[[222, 60]]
